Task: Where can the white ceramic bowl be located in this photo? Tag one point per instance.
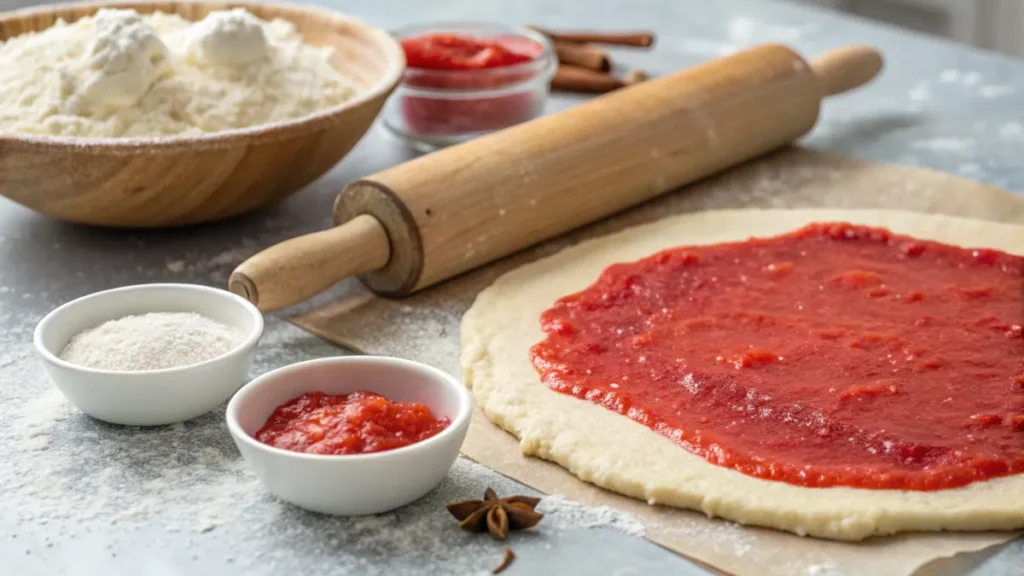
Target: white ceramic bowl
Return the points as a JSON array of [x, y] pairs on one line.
[[151, 397], [358, 484]]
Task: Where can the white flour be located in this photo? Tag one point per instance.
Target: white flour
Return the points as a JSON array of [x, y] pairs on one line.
[[1011, 130], [562, 513], [120, 74], [215, 268], [40, 416], [703, 47], [951, 145], [747, 31], [828, 569], [996, 91], [920, 92], [957, 79], [134, 480], [725, 537], [813, 567], [188, 475], [154, 341]]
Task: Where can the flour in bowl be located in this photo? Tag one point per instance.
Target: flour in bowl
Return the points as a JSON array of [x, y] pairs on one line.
[[122, 74], [154, 341]]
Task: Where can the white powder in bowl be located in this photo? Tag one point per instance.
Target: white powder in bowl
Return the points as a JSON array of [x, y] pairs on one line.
[[153, 341], [122, 74]]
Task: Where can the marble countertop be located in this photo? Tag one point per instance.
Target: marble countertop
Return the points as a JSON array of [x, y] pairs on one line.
[[78, 496]]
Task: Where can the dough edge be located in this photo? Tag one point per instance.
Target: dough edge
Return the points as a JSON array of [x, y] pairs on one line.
[[618, 454]]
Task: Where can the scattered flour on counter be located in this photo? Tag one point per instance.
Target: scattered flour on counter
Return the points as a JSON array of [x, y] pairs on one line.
[[969, 169], [951, 145], [958, 77], [702, 47], [725, 537], [40, 415], [991, 92], [67, 470], [562, 513], [215, 268], [828, 569], [190, 475], [974, 80], [1011, 130], [422, 533], [920, 92], [231, 257], [746, 31]]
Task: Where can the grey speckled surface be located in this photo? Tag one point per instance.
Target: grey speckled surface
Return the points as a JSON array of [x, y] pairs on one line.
[[81, 497]]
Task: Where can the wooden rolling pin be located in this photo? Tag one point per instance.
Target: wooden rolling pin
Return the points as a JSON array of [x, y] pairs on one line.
[[442, 214]]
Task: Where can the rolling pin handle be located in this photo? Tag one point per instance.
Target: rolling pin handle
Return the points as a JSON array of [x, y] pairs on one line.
[[298, 269], [843, 69]]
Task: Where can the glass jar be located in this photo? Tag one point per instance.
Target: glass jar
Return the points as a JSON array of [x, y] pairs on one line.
[[431, 109]]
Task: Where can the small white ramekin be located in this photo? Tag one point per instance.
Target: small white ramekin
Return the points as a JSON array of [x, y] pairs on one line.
[[358, 484], [150, 397]]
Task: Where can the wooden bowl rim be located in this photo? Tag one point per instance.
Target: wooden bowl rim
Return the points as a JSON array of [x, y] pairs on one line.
[[226, 139]]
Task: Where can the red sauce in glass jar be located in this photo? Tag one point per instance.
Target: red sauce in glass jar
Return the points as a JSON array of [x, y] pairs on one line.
[[454, 63], [458, 52]]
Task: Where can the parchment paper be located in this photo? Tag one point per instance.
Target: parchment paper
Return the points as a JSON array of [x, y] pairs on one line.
[[424, 327]]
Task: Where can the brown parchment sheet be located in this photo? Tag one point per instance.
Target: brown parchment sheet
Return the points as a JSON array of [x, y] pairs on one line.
[[425, 327]]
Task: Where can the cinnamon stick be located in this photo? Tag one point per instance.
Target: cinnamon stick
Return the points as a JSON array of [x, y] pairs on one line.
[[577, 79], [641, 38], [582, 55]]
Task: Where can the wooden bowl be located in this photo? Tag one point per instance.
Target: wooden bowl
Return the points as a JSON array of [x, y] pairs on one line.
[[168, 181]]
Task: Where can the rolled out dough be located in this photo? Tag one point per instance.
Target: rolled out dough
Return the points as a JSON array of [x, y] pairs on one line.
[[616, 453]]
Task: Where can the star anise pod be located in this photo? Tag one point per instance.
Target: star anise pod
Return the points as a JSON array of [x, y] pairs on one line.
[[496, 515]]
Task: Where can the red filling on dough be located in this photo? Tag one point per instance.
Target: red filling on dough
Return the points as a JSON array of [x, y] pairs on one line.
[[835, 355]]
